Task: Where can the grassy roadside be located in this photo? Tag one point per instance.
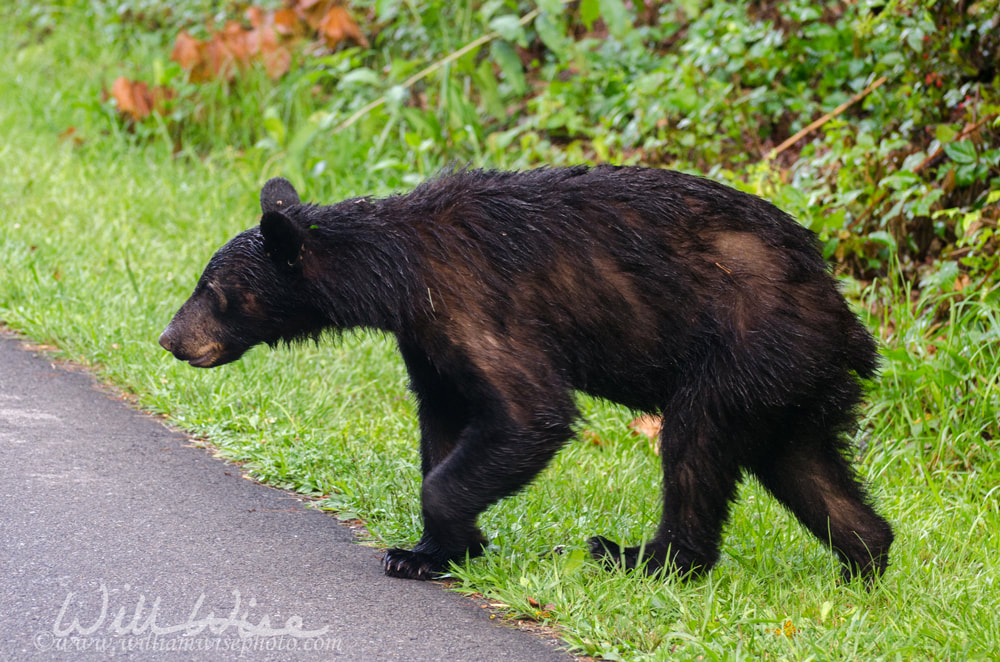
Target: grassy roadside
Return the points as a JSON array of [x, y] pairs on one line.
[[101, 241]]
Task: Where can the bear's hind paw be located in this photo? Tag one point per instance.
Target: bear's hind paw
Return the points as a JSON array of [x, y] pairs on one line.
[[613, 555], [651, 557]]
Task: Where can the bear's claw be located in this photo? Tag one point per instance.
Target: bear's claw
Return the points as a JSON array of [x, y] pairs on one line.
[[407, 564]]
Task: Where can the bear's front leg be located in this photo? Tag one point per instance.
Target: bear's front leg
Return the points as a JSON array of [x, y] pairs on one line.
[[452, 496], [450, 531], [427, 560], [495, 456]]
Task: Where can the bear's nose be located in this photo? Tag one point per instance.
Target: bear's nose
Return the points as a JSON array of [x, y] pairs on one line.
[[166, 340]]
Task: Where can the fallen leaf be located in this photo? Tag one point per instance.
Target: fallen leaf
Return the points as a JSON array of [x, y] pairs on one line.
[[237, 42], [186, 52], [217, 58], [338, 26], [69, 135], [130, 97], [312, 11], [287, 23], [234, 47], [277, 62], [256, 16], [276, 58], [648, 426], [136, 100]]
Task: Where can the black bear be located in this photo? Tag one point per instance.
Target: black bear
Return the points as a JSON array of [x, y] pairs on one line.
[[508, 291]]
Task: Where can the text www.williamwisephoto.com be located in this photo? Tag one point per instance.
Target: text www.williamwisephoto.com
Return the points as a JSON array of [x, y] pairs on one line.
[[123, 621]]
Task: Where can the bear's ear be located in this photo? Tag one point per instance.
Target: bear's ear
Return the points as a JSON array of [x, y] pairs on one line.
[[278, 193], [283, 239]]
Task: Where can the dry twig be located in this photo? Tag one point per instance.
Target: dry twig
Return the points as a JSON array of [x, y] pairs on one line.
[[824, 119]]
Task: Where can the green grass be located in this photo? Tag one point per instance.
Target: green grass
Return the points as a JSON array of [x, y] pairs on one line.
[[101, 242]]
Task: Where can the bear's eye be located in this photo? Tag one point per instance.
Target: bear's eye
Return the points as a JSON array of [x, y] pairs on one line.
[[219, 297]]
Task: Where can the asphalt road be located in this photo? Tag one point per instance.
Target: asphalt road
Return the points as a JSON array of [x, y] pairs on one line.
[[120, 540]]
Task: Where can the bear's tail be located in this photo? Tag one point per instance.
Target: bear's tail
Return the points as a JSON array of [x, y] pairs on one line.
[[862, 351]]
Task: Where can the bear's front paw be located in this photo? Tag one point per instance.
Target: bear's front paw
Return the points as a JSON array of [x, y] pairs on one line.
[[408, 564]]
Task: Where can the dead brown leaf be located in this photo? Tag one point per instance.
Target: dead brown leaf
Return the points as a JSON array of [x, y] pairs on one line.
[[237, 43], [136, 100], [648, 426], [276, 58], [337, 26], [187, 51], [287, 23], [278, 62], [256, 16], [311, 11], [268, 41], [234, 47], [217, 61], [69, 135]]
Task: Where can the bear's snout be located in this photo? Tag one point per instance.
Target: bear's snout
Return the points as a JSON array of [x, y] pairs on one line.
[[167, 340], [194, 348], [172, 339]]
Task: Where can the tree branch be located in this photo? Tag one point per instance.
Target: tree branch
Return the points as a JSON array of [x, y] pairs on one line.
[[826, 118]]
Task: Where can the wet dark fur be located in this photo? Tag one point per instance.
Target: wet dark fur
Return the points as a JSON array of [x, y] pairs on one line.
[[508, 291]]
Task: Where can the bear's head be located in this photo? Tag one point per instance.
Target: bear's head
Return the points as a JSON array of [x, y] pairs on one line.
[[252, 291]]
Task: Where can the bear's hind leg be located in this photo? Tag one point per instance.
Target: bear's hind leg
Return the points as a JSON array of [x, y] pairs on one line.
[[813, 480]]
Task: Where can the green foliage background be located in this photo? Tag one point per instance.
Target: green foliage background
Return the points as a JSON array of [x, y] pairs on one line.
[[104, 229]]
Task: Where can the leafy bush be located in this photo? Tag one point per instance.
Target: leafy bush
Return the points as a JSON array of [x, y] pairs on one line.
[[910, 171]]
